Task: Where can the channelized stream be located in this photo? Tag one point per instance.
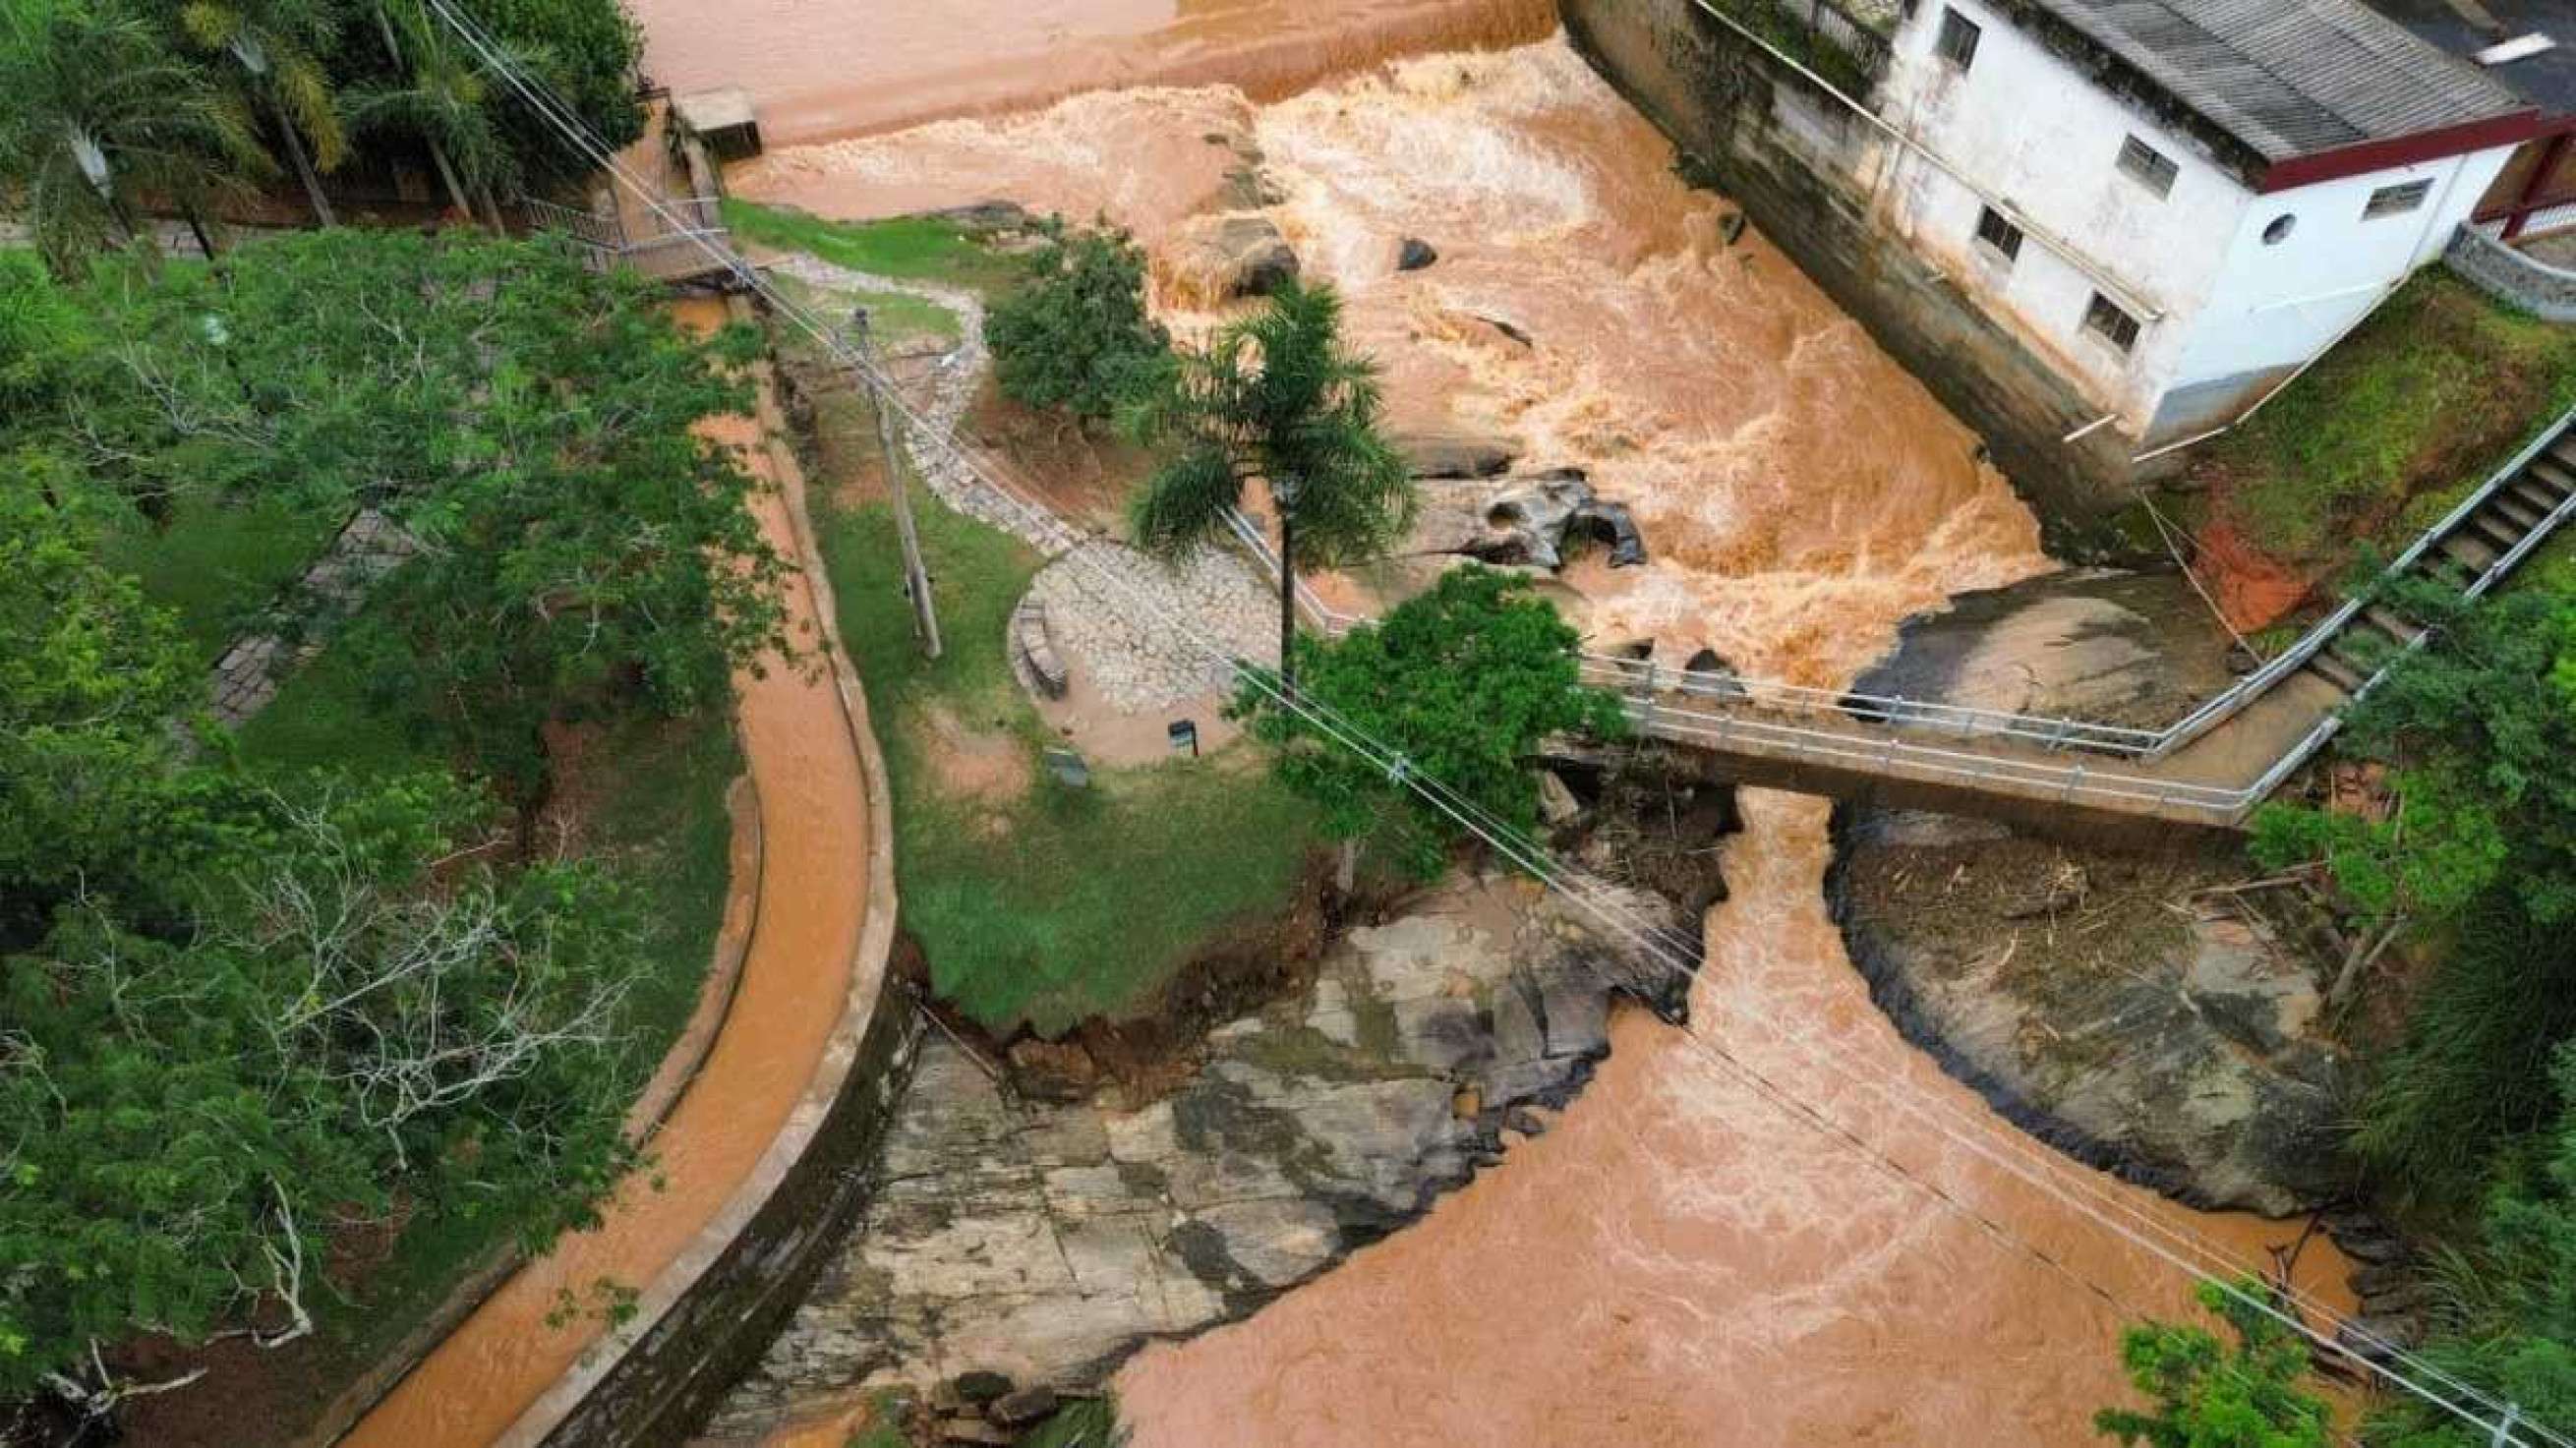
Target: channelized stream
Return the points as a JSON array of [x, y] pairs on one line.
[[1682, 1259]]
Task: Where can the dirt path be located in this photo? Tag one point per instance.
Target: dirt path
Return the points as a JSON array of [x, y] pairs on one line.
[[816, 889]]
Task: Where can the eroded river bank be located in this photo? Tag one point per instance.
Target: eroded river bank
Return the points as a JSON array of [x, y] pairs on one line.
[[1743, 1246]]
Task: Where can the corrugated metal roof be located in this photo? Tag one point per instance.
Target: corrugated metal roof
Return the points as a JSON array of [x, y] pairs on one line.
[[2290, 77]]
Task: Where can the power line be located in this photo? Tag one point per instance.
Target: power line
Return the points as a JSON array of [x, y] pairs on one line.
[[1463, 812]]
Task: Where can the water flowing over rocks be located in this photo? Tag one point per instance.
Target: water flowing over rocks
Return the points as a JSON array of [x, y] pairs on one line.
[[2134, 1009], [1045, 1242], [1448, 452]]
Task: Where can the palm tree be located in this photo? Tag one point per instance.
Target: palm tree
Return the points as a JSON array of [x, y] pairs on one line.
[[275, 44], [1275, 396], [101, 116], [440, 98]]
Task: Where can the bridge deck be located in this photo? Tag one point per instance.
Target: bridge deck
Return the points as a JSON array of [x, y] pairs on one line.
[[2211, 768]]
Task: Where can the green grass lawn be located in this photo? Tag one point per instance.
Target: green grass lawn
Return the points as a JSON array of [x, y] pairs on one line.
[[924, 248], [2397, 424], [218, 564], [1055, 904]]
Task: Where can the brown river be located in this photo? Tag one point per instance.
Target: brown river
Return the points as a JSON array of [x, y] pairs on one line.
[[1682, 1259]]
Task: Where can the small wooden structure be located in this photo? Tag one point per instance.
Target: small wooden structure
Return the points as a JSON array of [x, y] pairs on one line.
[[723, 118]]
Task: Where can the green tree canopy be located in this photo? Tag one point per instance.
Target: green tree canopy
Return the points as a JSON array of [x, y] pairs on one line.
[[1464, 682], [2506, 1317], [2209, 1395], [1274, 396], [530, 422], [101, 116], [1077, 335], [2476, 729]]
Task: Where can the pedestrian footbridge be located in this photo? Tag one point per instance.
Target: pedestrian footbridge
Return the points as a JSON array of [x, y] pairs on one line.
[[2210, 768]]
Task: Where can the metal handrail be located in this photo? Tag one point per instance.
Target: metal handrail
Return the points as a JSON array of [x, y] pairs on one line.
[[2314, 641], [1893, 755], [2218, 802]]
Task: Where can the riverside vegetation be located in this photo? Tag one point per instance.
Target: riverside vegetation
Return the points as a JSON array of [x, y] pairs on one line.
[[119, 107], [297, 1022]]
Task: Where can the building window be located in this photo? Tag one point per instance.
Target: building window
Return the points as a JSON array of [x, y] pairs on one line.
[[1958, 42], [2279, 229], [2105, 319], [2000, 235], [2396, 200], [2147, 166]]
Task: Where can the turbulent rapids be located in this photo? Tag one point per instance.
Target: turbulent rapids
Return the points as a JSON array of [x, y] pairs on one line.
[[1681, 1260]]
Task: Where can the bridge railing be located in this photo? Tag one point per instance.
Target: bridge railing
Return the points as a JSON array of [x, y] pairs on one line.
[[1892, 755], [1956, 720]]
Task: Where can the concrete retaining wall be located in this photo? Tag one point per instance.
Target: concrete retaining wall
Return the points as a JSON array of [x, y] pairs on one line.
[[1802, 165], [2511, 277], [705, 1320]]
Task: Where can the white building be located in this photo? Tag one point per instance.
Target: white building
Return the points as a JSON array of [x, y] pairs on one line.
[[2176, 203]]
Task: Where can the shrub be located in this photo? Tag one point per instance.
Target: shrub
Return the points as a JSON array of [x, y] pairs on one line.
[[1077, 336]]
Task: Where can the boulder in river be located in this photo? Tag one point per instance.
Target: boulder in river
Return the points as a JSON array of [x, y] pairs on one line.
[[2135, 1009], [1527, 519], [1452, 452], [1220, 258], [1413, 254]]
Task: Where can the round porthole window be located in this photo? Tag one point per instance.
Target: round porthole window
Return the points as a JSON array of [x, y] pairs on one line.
[[2279, 230]]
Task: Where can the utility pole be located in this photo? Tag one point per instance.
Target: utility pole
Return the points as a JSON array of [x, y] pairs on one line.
[[916, 578]]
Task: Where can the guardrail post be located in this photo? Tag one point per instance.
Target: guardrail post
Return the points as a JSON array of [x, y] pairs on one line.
[[1648, 723], [2074, 781], [2057, 736]]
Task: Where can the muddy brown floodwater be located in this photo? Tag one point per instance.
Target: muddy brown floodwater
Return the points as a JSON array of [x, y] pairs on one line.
[[1680, 1260], [822, 68]]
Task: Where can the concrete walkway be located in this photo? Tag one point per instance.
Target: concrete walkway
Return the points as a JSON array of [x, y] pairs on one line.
[[816, 960]]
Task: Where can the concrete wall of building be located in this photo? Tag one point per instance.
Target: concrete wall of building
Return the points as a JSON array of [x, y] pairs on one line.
[[1804, 169], [2279, 302], [2242, 307], [2023, 124]]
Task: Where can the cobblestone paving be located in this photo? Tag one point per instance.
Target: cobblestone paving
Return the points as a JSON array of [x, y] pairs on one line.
[[247, 675], [940, 396], [1115, 614], [1095, 622]]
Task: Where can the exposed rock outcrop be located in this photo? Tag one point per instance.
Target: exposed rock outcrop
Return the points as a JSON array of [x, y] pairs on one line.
[[2111, 1003], [1219, 258], [2133, 1009], [1453, 452], [1524, 520], [1045, 1242]]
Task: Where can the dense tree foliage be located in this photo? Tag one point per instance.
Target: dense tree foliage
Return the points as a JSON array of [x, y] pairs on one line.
[[120, 107], [2465, 1124], [1077, 335], [527, 420], [1274, 396], [244, 1012], [2478, 855], [1464, 682], [104, 117], [2506, 1319], [2210, 1395]]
